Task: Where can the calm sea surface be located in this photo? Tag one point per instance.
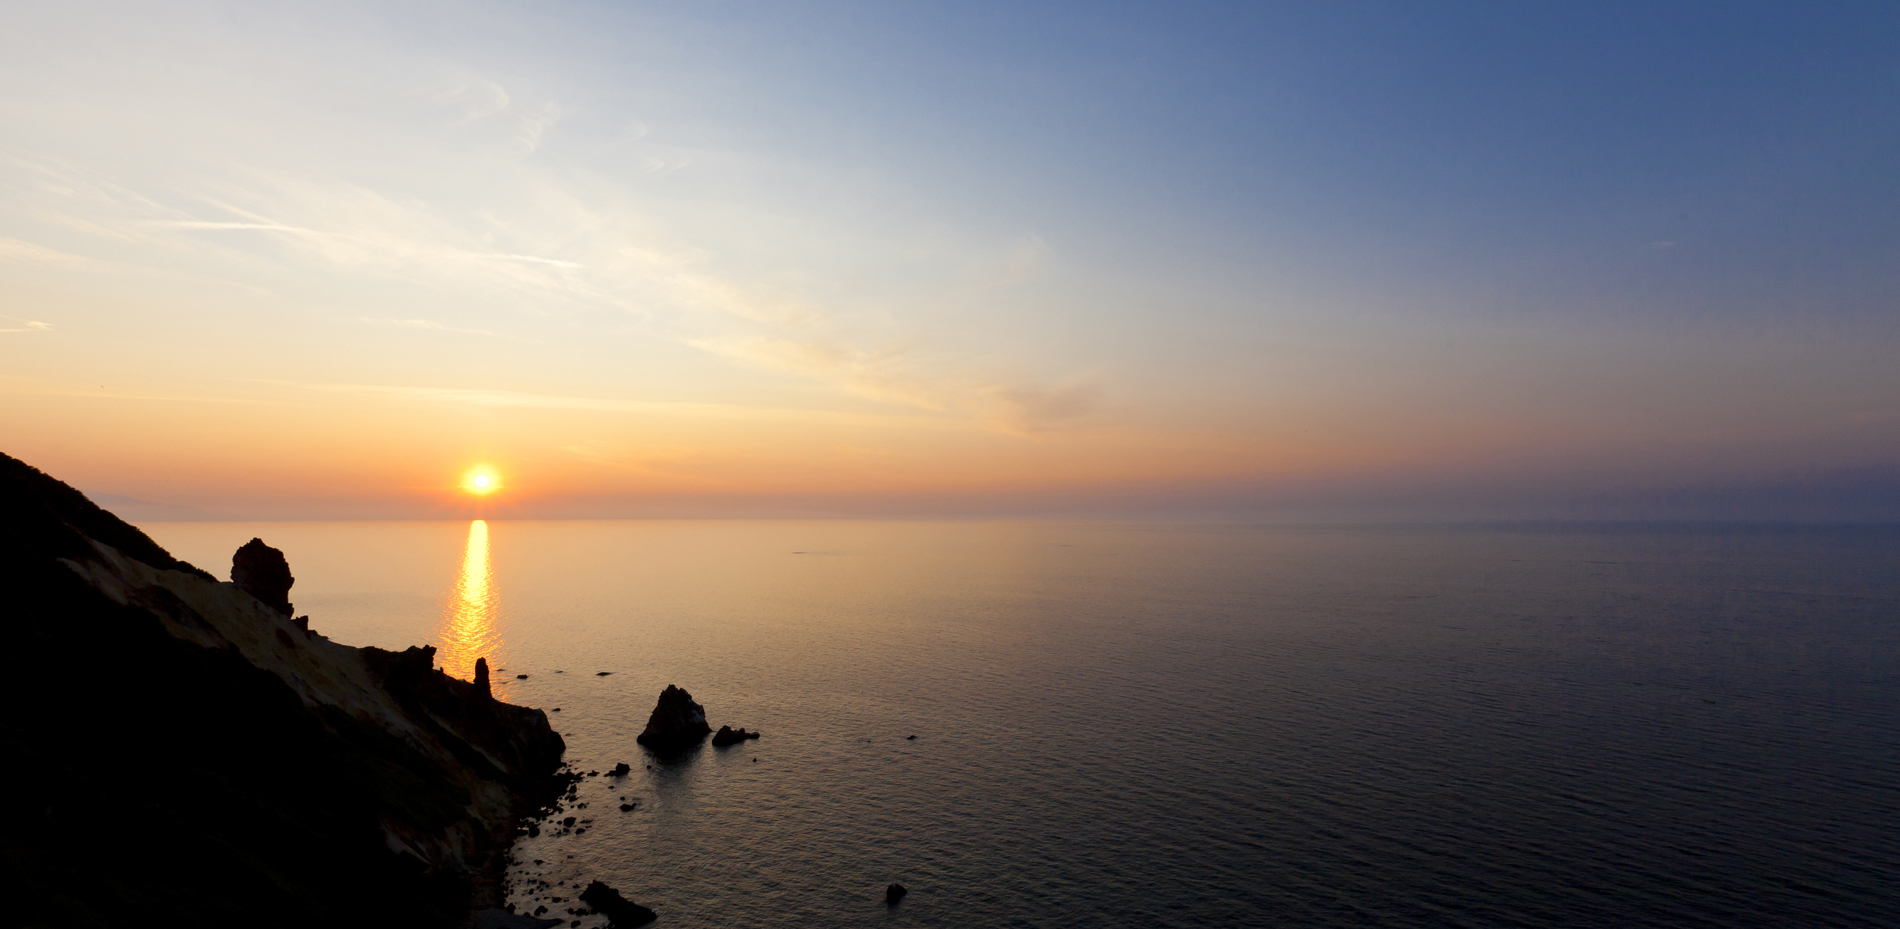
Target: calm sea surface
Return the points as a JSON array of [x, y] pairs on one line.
[[1124, 725]]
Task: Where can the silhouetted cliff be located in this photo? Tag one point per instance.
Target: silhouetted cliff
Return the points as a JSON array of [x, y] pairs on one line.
[[182, 753]]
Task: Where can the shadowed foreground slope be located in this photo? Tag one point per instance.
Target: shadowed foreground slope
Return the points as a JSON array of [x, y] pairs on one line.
[[182, 753]]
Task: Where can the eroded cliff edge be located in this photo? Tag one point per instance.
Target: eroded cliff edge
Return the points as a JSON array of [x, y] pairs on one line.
[[186, 753]]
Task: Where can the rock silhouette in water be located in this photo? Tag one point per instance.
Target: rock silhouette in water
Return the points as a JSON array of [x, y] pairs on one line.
[[894, 893], [261, 571], [482, 690], [677, 722], [726, 736], [619, 910]]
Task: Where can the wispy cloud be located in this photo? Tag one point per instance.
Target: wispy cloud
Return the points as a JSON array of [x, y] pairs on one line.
[[428, 324], [25, 325], [887, 373], [17, 250], [528, 400], [499, 399], [1028, 256], [1019, 406], [1033, 410], [472, 99]]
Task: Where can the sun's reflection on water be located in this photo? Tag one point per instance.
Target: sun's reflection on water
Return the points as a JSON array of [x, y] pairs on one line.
[[471, 615]]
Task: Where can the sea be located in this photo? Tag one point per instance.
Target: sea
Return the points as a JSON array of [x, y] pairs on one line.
[[1093, 724]]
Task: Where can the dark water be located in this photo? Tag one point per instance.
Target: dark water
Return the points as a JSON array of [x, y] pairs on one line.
[[1179, 726]]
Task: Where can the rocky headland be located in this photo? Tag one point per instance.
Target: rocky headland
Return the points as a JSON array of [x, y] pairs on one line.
[[184, 751]]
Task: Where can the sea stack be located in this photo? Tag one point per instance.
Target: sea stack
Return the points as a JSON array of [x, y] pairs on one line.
[[677, 722], [261, 571]]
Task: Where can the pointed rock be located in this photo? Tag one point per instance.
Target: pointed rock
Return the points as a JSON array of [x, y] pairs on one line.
[[677, 722]]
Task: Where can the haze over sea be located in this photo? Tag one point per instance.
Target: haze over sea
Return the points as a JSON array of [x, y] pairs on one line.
[[1176, 725]]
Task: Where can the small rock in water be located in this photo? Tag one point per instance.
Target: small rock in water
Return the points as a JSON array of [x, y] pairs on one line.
[[894, 893], [620, 911], [621, 769], [911, 739], [602, 673], [523, 677], [626, 807], [726, 736], [556, 709]]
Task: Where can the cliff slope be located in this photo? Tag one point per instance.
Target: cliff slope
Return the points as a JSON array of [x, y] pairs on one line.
[[185, 753]]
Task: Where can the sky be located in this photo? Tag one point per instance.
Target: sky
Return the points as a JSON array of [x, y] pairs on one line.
[[1251, 261]]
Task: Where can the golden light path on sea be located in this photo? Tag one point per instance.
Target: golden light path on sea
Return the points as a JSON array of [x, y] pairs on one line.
[[471, 626]]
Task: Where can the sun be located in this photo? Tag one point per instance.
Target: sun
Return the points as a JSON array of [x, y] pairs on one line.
[[481, 481]]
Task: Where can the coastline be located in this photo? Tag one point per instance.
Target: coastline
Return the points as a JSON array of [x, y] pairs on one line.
[[278, 775]]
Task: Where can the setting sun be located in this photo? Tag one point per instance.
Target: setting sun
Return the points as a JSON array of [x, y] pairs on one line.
[[481, 481]]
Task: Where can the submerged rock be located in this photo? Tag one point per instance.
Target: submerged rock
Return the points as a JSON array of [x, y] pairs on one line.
[[619, 910], [727, 736], [677, 722], [261, 571]]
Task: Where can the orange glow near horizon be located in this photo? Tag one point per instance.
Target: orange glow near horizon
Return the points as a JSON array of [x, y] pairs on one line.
[[471, 626]]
